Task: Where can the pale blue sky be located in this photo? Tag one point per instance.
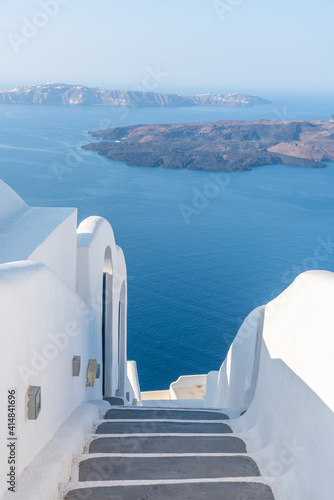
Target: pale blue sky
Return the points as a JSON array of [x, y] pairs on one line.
[[199, 45]]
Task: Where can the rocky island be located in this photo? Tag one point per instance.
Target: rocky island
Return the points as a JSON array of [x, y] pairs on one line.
[[221, 146], [74, 95]]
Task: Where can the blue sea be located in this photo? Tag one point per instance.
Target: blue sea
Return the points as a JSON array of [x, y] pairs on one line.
[[202, 249]]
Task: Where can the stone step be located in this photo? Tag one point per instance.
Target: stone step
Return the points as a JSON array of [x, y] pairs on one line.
[[156, 427], [168, 444], [162, 467], [183, 404], [161, 413], [179, 491]]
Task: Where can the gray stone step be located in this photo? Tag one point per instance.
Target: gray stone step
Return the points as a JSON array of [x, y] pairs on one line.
[[168, 444], [156, 427], [161, 467], [133, 413], [181, 491]]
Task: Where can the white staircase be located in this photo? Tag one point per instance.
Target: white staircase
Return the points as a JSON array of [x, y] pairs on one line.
[[142, 453]]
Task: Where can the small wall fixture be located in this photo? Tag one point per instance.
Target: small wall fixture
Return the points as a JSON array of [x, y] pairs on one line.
[[98, 371], [76, 365], [91, 373], [34, 402]]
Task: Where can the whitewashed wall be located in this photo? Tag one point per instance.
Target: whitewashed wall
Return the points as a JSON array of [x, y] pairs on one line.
[[59, 250], [43, 324], [233, 386], [51, 310], [10, 203], [46, 235], [290, 423], [98, 252]]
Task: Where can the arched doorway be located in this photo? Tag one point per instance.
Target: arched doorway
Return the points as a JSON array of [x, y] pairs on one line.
[[122, 341], [107, 312]]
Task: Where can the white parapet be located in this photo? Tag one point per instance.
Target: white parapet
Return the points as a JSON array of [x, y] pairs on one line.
[[189, 387], [233, 386], [133, 387], [10, 204], [290, 423]]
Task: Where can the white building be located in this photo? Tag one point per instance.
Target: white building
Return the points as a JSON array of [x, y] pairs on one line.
[[63, 309]]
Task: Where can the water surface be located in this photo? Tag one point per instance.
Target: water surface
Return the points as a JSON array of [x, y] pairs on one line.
[[190, 285]]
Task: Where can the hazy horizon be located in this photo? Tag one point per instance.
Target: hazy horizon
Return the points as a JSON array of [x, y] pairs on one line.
[[219, 46], [264, 92]]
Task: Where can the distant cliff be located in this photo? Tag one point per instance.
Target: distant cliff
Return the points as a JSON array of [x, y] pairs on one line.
[[71, 95], [222, 145]]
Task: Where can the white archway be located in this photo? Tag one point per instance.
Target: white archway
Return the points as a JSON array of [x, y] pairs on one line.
[[122, 341], [101, 282], [107, 322]]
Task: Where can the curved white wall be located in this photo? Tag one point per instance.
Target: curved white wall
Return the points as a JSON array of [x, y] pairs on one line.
[[10, 203], [233, 387], [291, 419]]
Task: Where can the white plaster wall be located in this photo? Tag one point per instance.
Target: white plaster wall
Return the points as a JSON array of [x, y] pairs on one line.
[[59, 251], [291, 419], [10, 202], [42, 324], [95, 241], [133, 386], [196, 385], [46, 235], [234, 385]]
